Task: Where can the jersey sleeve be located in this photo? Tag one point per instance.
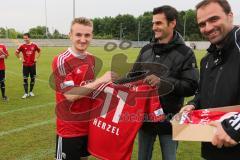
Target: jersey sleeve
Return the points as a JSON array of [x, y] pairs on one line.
[[5, 51], [19, 49], [232, 127], [68, 82], [61, 80], [37, 48], [154, 109]]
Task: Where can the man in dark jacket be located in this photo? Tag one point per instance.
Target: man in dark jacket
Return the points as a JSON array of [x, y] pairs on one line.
[[219, 77], [167, 49]]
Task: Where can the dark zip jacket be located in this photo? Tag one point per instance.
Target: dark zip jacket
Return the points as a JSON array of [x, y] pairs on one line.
[[181, 73], [220, 86]]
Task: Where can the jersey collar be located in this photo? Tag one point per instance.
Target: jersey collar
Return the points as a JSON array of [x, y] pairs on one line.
[[77, 55]]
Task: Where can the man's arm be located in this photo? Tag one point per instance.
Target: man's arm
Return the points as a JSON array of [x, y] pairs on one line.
[[64, 83], [17, 53], [38, 53], [195, 102], [187, 83], [76, 93], [232, 127], [227, 132], [191, 105], [3, 53]]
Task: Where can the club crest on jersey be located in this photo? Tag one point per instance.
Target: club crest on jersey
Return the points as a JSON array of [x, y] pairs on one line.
[[79, 71]]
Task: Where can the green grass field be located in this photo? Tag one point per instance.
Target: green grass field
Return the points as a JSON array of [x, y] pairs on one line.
[[27, 127]]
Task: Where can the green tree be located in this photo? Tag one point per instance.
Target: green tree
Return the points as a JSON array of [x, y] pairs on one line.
[[12, 33], [2, 32], [188, 18], [39, 32], [125, 26], [56, 34], [145, 21], [103, 27]]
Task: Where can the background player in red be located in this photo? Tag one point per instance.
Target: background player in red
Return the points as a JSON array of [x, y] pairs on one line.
[[73, 72], [3, 55], [30, 54]]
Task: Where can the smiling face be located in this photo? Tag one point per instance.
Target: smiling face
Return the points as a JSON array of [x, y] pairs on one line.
[[26, 39], [214, 23], [162, 28], [81, 36]]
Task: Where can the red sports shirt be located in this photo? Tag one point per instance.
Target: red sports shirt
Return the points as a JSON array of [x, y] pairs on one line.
[[3, 52], [204, 116], [122, 112], [29, 52], [71, 70]]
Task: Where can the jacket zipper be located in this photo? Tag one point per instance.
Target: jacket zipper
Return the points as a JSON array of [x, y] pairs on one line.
[[216, 81]]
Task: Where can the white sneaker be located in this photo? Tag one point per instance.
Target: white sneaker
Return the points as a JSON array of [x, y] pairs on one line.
[[25, 96], [31, 94]]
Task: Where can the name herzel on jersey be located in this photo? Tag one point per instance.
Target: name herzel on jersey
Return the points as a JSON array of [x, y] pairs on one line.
[[107, 127]]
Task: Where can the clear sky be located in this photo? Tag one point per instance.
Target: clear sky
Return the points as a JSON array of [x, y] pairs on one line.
[[25, 14]]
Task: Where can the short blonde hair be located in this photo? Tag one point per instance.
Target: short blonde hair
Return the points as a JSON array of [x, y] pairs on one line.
[[82, 20]]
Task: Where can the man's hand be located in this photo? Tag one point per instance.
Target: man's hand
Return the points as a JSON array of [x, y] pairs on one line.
[[187, 108], [1, 51], [21, 59], [152, 80], [221, 138], [2, 56]]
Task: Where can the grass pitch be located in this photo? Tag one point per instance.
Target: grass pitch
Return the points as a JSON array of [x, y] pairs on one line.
[[27, 126]]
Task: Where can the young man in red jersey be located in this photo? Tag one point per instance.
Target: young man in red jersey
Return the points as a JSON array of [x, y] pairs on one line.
[[30, 53], [73, 72], [3, 55]]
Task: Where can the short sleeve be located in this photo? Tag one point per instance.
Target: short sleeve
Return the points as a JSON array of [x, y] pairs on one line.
[[61, 80], [19, 49], [5, 51], [37, 48], [154, 109]]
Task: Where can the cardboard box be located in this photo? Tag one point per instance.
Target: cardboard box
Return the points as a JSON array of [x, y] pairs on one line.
[[197, 132]]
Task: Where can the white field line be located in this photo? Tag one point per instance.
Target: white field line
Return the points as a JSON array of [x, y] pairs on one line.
[[16, 74], [27, 108], [30, 126]]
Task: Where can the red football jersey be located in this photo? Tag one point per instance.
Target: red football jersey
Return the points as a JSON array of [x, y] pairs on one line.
[[70, 70], [28, 51], [204, 116], [3, 50], [115, 124]]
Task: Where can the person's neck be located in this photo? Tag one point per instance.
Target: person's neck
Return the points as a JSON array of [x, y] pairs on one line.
[[167, 39]]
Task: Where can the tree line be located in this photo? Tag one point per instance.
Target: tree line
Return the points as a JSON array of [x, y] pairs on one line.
[[124, 26]]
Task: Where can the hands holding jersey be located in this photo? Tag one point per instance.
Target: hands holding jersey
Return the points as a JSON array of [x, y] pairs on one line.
[[152, 80], [220, 138]]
